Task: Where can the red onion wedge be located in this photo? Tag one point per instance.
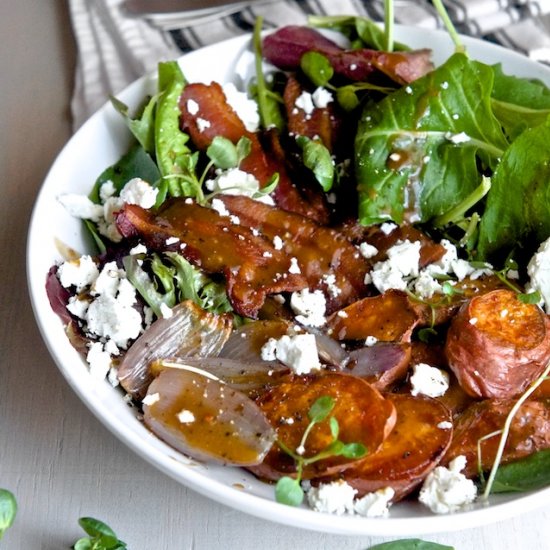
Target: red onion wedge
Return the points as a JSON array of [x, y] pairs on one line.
[[206, 419], [190, 331], [239, 375]]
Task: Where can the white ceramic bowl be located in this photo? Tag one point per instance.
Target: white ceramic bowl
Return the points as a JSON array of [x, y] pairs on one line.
[[98, 144]]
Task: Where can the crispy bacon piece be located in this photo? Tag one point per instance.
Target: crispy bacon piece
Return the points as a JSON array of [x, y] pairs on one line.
[[253, 268], [319, 251], [206, 114], [286, 46], [322, 123]]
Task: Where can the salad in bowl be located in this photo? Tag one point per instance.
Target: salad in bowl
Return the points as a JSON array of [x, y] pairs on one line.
[[333, 278]]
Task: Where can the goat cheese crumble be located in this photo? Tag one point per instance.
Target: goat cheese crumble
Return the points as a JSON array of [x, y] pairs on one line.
[[299, 352], [309, 307], [447, 490], [430, 381]]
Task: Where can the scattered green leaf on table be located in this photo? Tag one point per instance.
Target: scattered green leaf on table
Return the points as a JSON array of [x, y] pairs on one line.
[[8, 510], [101, 536]]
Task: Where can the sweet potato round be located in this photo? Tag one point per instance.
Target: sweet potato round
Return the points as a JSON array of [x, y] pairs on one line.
[[497, 345], [529, 432], [363, 416], [413, 449]]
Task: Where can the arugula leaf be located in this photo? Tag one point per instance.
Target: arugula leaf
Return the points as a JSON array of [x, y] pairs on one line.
[[518, 203], [415, 147], [410, 544], [519, 103], [532, 472]]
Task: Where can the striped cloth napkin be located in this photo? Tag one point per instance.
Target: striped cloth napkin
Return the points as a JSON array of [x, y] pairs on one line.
[[114, 50]]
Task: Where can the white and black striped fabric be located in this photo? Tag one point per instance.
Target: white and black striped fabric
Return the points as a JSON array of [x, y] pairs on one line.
[[114, 50]]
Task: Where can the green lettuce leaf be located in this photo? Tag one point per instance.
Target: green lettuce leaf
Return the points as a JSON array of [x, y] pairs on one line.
[[518, 203], [519, 103], [417, 150]]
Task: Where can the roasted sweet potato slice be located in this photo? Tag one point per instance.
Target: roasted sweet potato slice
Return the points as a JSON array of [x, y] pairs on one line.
[[497, 345], [529, 432], [416, 445], [388, 317], [319, 251], [380, 365], [205, 114], [253, 268], [363, 415]]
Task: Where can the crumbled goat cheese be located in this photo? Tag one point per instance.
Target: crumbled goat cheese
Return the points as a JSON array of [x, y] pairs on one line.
[[430, 381], [388, 227], [299, 352], [376, 504], [370, 341], [294, 267], [336, 497], [79, 273], [538, 270], [403, 261], [425, 286], [219, 207], [99, 360], [445, 425], [237, 182], [246, 109], [367, 250], [446, 490], [332, 288], [186, 417], [138, 249], [277, 242], [309, 307], [136, 191], [321, 98], [202, 124], [151, 399], [192, 107], [111, 314], [305, 102]]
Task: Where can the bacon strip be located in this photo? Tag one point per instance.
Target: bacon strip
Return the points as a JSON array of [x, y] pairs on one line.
[[206, 114], [253, 268], [319, 251]]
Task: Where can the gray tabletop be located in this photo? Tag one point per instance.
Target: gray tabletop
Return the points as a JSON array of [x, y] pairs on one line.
[[58, 460]]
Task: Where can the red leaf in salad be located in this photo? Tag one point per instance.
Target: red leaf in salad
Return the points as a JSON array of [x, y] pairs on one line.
[[286, 46], [251, 265], [319, 250]]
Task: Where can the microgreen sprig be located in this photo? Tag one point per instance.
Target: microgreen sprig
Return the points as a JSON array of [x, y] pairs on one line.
[[289, 490], [101, 536], [8, 510]]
